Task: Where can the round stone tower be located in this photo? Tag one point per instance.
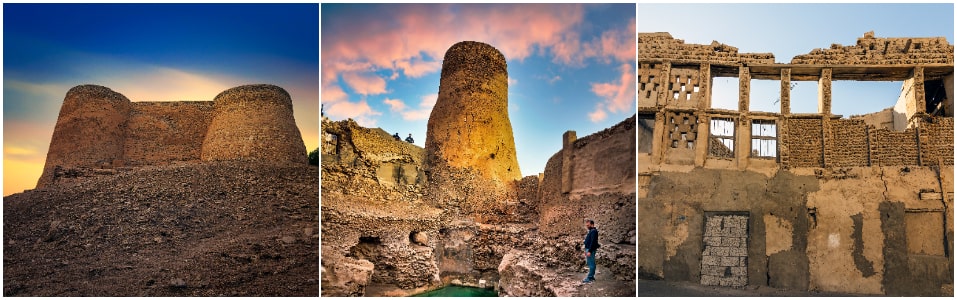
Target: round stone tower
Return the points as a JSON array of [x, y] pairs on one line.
[[90, 131], [253, 122], [469, 125]]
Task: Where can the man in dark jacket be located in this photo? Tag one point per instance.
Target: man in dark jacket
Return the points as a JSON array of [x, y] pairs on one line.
[[591, 245]]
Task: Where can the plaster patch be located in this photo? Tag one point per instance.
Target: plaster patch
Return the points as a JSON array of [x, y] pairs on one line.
[[833, 240], [778, 234]]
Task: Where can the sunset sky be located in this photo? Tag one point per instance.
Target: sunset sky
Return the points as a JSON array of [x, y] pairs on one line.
[[147, 52], [788, 30], [571, 67]]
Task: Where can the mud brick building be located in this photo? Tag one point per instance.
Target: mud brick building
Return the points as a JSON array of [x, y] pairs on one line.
[[804, 201]]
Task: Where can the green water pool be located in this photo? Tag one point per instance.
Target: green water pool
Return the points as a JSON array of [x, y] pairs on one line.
[[459, 291]]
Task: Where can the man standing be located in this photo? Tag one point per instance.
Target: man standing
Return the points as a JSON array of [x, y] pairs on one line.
[[591, 245]]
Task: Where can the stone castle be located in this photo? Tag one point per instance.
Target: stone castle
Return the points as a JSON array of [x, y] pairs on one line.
[[805, 201], [399, 220], [99, 130]]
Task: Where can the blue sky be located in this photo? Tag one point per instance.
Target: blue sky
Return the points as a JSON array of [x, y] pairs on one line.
[[147, 52], [787, 30], [571, 67]]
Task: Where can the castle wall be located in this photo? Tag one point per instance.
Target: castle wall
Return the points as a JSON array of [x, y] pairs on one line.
[[164, 132], [101, 129], [90, 131], [254, 122]]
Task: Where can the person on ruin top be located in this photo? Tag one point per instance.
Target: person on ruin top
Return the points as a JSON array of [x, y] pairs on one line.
[[409, 139], [591, 245], [396, 136]]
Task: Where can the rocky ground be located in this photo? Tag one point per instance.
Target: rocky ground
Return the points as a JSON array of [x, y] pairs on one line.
[[198, 229]]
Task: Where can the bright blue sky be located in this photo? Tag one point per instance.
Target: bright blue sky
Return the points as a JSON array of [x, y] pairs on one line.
[[787, 30], [571, 67], [147, 52]]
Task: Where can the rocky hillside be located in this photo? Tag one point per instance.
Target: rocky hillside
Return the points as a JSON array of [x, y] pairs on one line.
[[198, 229]]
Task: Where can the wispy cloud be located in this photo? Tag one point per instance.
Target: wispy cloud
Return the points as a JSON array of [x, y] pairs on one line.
[[422, 113], [616, 96]]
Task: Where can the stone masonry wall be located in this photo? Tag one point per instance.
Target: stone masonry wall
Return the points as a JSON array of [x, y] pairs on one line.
[[661, 45], [805, 143], [90, 131], [163, 132], [937, 141], [254, 122], [892, 148], [850, 147], [883, 51]]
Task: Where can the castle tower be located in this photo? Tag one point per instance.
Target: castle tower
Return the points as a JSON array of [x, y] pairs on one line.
[[90, 131], [254, 122], [469, 125]]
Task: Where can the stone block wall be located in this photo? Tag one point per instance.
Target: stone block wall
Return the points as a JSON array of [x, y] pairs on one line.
[[254, 122], [850, 144], [892, 148], [937, 141], [805, 143], [883, 51], [90, 131], [163, 132], [660, 45], [101, 129]]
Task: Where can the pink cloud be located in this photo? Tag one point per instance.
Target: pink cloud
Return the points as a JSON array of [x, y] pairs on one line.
[[395, 105], [616, 96], [364, 84]]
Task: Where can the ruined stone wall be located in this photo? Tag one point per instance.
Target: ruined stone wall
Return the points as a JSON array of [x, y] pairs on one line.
[[603, 190], [850, 147], [882, 51], [892, 148], [804, 142], [937, 141], [254, 122], [163, 132], [661, 45], [90, 131], [469, 125]]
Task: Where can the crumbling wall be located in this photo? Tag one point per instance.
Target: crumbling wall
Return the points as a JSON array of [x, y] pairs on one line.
[[892, 148], [661, 45], [805, 143], [882, 51], [163, 132], [850, 147], [603, 190], [937, 141], [267, 132]]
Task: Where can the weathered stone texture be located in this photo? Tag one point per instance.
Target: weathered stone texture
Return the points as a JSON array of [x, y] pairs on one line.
[[882, 51], [469, 125], [254, 122], [661, 45], [805, 144], [891, 148], [850, 143], [649, 78], [164, 132], [724, 261], [937, 141], [90, 131]]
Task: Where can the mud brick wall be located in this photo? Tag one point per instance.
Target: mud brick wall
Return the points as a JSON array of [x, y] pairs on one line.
[[891, 148], [254, 122], [597, 158], [682, 129], [649, 76], [162, 132], [660, 45], [684, 87], [883, 51], [805, 145], [850, 143], [937, 141], [90, 131]]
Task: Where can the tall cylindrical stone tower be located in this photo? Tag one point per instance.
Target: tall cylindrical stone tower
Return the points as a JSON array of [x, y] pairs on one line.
[[469, 125], [254, 122], [90, 131]]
